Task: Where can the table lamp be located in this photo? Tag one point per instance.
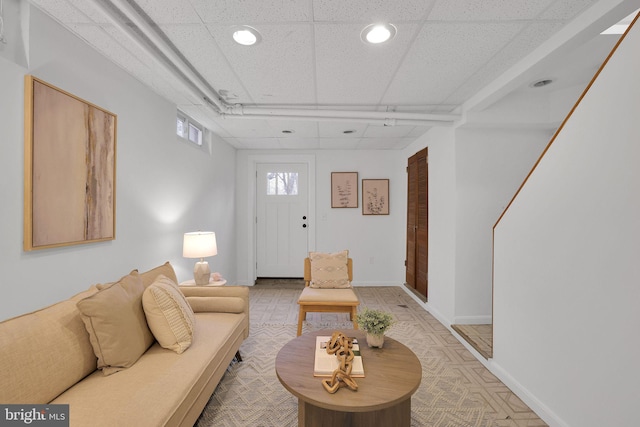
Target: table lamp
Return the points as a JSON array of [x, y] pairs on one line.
[[200, 244]]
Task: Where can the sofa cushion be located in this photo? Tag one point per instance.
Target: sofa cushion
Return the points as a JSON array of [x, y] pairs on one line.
[[217, 304], [329, 270], [116, 324], [162, 387], [169, 316], [45, 352]]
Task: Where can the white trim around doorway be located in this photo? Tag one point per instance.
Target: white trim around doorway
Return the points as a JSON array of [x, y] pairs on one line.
[[252, 162]]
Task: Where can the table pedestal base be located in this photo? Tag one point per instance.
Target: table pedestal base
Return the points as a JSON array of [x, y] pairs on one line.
[[314, 416]]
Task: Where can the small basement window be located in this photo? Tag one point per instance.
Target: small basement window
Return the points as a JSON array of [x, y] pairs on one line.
[[188, 129]]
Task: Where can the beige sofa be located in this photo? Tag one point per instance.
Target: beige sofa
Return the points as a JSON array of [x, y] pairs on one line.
[[47, 357]]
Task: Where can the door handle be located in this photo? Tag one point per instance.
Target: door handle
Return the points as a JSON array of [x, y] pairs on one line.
[[304, 225]]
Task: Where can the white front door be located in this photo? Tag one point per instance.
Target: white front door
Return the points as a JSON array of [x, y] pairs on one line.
[[282, 219]]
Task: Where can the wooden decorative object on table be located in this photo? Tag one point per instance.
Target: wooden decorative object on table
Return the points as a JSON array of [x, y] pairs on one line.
[[341, 346]]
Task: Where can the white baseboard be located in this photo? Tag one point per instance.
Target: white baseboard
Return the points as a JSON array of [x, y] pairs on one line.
[[530, 400], [542, 410], [375, 284]]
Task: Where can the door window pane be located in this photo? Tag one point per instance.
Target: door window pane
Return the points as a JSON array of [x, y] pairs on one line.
[[282, 183]]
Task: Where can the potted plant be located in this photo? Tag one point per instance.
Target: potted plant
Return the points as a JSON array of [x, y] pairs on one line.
[[374, 323]]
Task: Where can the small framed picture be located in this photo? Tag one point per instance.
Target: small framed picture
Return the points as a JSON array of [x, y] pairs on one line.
[[375, 197], [344, 189]]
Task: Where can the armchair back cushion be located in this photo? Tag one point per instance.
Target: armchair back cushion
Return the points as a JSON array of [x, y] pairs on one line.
[[329, 270]]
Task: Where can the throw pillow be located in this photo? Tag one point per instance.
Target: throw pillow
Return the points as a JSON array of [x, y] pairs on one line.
[[116, 324], [169, 315], [148, 277], [329, 270]]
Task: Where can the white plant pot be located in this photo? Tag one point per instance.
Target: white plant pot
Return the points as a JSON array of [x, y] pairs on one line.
[[374, 340]]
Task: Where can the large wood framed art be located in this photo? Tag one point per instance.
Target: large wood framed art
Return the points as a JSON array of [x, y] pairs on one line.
[[70, 169]]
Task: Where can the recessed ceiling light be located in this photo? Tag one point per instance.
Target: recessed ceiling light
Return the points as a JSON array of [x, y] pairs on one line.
[[378, 33], [246, 36], [541, 83]]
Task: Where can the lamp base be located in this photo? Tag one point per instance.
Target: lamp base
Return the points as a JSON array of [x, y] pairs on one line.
[[201, 273]]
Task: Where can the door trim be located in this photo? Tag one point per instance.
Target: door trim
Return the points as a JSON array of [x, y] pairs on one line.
[[253, 161]]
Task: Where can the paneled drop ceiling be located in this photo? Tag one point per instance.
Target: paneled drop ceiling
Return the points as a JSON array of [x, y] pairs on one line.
[[311, 73]]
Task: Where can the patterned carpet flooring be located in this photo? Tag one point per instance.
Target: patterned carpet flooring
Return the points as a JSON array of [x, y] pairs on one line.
[[456, 389]]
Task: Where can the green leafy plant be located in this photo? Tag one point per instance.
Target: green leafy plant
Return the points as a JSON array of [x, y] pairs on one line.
[[375, 322]]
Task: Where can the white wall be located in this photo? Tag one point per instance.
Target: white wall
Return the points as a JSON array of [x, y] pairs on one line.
[[376, 243], [566, 263], [473, 173], [490, 166], [442, 214], [158, 196]]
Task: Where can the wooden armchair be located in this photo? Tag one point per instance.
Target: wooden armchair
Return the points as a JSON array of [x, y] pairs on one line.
[[327, 300]]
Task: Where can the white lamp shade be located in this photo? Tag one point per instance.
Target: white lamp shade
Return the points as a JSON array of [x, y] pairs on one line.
[[199, 244]]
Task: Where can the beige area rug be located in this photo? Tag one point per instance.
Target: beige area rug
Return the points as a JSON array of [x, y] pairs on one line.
[[456, 389]]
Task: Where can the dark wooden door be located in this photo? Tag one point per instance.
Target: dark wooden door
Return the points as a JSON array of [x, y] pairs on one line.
[[417, 222]]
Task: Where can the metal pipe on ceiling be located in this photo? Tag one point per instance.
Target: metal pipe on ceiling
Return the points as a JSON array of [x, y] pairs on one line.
[[336, 119], [193, 81], [219, 106], [247, 110]]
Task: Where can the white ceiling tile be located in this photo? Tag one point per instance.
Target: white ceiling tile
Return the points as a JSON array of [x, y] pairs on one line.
[[300, 128], [384, 143], [279, 69], [566, 9], [444, 56], [339, 143], [100, 39], [418, 131], [295, 143], [253, 11], [352, 72], [337, 129], [90, 11], [196, 43], [169, 11], [487, 10], [374, 131], [311, 56], [370, 10], [529, 38]]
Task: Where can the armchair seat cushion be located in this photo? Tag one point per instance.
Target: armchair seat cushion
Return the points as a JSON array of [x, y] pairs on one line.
[[334, 296]]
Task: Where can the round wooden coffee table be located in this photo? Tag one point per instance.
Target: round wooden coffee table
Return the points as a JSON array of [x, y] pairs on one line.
[[392, 374]]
